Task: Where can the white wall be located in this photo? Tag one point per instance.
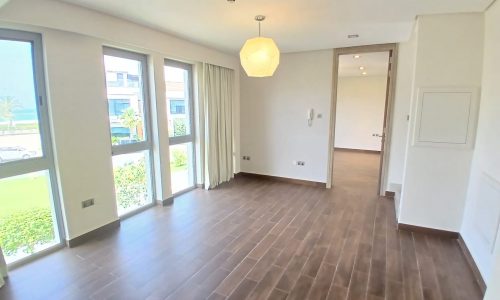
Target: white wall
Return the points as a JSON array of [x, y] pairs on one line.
[[482, 212], [73, 38], [436, 179], [80, 129], [360, 112], [274, 130], [493, 290], [401, 110]]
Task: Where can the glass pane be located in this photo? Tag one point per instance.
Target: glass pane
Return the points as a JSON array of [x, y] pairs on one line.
[[181, 167], [178, 101], [19, 126], [125, 99], [132, 181], [27, 223]]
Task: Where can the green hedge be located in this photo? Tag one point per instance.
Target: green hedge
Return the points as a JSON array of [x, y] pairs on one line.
[[180, 127], [130, 182], [24, 230], [179, 158]]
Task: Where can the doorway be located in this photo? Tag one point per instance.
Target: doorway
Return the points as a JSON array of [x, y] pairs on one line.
[[363, 91]]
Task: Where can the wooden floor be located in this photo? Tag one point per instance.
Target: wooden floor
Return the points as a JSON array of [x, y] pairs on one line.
[[256, 239]]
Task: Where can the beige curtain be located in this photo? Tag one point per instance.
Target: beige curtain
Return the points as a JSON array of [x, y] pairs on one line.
[[218, 85], [3, 268]]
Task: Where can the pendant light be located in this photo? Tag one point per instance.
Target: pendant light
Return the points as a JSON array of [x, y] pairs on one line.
[[259, 56]]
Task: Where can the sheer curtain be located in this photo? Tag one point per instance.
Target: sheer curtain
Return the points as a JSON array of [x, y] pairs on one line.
[[3, 268], [218, 85]]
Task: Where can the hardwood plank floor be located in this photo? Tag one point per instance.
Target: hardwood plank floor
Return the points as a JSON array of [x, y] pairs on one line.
[[257, 239]]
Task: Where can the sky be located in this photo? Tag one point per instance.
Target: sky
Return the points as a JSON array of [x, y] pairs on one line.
[[16, 76]]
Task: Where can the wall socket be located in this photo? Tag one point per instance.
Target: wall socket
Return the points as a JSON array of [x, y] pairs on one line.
[[87, 203], [299, 163], [246, 157]]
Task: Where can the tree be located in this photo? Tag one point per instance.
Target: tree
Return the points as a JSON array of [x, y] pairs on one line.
[[130, 119], [7, 106]]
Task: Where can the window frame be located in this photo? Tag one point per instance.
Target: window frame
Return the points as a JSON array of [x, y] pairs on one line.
[[191, 137], [141, 146], [45, 162], [147, 143], [33, 164]]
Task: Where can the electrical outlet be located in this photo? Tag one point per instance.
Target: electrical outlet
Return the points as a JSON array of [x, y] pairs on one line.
[[87, 203], [301, 163], [246, 157]]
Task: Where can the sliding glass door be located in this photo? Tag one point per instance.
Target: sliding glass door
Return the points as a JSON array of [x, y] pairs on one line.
[[180, 113], [29, 206], [129, 119]]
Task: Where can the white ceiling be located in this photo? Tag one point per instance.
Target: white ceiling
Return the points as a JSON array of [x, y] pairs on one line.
[[295, 25], [374, 63]]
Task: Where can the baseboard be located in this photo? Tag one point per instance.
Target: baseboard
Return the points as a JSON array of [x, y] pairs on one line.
[[357, 150], [390, 194], [426, 230], [282, 179], [103, 230], [472, 264], [166, 202]]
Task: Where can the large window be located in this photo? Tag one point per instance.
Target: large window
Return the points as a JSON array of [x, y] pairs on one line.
[[128, 107], [179, 89], [29, 207]]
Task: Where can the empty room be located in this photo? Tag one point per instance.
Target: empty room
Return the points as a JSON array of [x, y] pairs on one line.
[[236, 149]]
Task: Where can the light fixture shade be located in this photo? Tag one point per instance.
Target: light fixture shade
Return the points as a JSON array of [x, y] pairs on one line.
[[260, 57]]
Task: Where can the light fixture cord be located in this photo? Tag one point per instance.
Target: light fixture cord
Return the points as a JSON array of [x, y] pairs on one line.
[[259, 28]]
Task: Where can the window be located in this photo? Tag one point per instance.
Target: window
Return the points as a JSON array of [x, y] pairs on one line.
[[177, 107], [29, 206], [132, 81], [128, 106], [178, 77], [117, 106], [179, 87]]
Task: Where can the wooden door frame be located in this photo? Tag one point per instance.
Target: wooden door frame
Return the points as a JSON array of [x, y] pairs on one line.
[[389, 104]]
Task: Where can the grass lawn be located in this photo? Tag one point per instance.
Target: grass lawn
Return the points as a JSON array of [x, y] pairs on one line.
[[174, 168], [18, 194], [20, 126]]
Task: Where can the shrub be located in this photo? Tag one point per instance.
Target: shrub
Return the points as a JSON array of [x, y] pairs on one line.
[[130, 182], [179, 158], [115, 140], [24, 230], [180, 127]]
